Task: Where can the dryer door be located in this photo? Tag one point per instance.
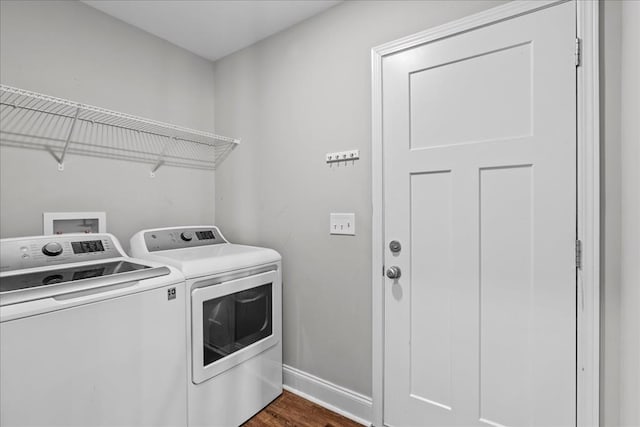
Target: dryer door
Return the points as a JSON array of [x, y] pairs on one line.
[[234, 321]]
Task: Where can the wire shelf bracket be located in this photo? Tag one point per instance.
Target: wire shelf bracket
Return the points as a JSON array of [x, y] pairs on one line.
[[61, 127], [66, 143], [160, 160]]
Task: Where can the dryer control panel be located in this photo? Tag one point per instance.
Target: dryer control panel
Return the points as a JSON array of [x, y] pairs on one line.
[[182, 237]]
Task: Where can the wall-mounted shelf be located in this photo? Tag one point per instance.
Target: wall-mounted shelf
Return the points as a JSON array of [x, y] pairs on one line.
[[62, 127]]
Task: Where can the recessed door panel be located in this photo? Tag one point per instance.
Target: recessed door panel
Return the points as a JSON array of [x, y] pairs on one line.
[[506, 294], [431, 275], [495, 87]]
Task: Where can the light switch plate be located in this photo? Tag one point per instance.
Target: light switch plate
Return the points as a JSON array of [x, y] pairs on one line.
[[342, 223]]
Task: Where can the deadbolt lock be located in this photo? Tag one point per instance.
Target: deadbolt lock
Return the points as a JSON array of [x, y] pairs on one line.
[[395, 246]]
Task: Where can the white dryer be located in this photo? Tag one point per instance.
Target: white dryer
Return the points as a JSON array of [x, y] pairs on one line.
[[89, 336], [234, 318]]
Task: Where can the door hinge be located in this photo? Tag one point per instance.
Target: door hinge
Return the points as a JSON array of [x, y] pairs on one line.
[[578, 254], [578, 52]]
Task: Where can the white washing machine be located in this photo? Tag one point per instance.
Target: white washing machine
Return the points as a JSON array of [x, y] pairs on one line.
[[234, 318], [89, 336]]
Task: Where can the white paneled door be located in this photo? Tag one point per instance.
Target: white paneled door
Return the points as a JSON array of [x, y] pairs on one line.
[[479, 137]]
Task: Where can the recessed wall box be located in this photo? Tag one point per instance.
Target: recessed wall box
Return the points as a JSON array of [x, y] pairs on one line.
[[74, 222]]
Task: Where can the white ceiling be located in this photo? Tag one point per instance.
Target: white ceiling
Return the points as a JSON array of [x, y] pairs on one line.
[[212, 28]]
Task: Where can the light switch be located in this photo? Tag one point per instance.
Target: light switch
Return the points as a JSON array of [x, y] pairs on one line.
[[342, 223]]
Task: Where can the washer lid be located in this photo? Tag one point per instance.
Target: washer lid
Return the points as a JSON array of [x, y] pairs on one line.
[[215, 259], [34, 285]]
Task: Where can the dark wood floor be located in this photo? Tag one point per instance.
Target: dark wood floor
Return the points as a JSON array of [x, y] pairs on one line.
[[291, 410]]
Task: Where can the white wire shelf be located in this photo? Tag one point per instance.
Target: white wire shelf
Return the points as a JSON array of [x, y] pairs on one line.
[[61, 127]]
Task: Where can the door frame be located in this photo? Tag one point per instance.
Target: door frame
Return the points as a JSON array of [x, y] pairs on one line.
[[588, 194]]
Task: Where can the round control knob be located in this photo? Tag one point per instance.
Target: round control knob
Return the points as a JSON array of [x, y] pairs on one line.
[[187, 236], [52, 249]]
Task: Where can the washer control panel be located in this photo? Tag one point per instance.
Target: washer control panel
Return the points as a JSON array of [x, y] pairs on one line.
[[182, 237], [31, 252]]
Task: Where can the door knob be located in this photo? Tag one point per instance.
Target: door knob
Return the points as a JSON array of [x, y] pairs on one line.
[[394, 272]]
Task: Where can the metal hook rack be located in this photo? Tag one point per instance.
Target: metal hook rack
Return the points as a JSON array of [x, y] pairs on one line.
[[59, 126]]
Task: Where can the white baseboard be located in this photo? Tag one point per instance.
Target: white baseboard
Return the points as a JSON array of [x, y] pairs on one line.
[[338, 399]]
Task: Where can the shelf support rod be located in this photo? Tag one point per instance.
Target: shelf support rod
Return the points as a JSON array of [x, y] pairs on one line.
[[160, 160], [66, 144], [156, 167]]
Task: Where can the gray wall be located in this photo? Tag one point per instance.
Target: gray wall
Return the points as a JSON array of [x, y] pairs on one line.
[[630, 284], [610, 213], [70, 50], [620, 210], [292, 98]]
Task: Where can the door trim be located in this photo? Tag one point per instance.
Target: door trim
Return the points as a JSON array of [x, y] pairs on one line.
[[588, 195]]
